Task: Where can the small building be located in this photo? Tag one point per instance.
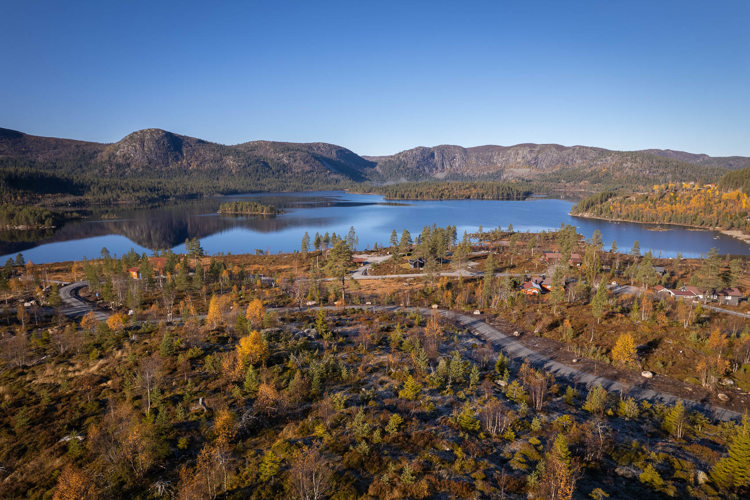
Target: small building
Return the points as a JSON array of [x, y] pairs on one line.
[[531, 288], [682, 294], [659, 270], [700, 294], [730, 296], [416, 263], [158, 264], [575, 260], [551, 257], [134, 273]]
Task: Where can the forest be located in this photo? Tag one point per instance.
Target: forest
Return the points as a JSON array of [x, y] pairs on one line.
[[738, 179], [29, 217], [248, 208], [22, 182], [453, 190], [688, 204], [258, 376]]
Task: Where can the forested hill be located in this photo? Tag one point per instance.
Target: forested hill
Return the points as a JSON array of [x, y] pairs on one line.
[[554, 164], [707, 206], [729, 162], [155, 164], [738, 179]]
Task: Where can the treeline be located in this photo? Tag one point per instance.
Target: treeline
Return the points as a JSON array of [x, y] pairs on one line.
[[456, 190], [738, 179], [247, 208], [593, 201], [30, 217], [687, 204], [24, 181]]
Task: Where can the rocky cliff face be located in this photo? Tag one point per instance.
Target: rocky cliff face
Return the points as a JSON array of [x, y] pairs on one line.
[[158, 152], [154, 152], [532, 161]]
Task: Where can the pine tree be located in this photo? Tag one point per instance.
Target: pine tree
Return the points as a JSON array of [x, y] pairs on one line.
[[405, 243], [411, 389], [473, 376], [675, 420], [733, 472], [270, 466], [166, 347], [252, 382], [466, 420], [599, 303], [456, 368], [393, 424], [394, 239], [651, 476], [305, 246], [501, 364], [596, 400], [321, 326]]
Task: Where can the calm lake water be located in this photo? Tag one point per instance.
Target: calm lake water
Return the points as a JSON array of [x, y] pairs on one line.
[[148, 230]]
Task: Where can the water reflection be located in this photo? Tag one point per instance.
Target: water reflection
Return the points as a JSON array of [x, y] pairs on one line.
[[159, 228]]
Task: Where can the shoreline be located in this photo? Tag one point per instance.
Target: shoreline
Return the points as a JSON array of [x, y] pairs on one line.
[[732, 233]]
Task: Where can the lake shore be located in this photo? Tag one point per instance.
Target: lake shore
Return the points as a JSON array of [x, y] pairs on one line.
[[733, 233]]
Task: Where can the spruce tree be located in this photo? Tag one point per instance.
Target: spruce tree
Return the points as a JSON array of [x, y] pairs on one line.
[[733, 472]]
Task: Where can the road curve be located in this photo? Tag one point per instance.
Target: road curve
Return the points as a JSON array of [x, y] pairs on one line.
[[74, 306], [518, 353]]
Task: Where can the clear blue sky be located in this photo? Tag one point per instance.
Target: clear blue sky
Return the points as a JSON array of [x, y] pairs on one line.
[[379, 77]]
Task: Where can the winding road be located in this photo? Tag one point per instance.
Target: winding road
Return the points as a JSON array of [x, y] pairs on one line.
[[518, 353], [74, 306]]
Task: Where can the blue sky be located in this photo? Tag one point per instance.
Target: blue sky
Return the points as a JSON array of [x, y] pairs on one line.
[[380, 77]]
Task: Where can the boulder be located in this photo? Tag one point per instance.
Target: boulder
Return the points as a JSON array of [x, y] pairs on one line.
[[647, 374], [722, 397], [701, 477], [626, 472]]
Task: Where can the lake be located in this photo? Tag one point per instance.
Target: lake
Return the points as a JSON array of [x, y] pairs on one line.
[[151, 229]]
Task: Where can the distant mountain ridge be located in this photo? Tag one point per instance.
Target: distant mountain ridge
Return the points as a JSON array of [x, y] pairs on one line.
[[181, 164], [535, 161]]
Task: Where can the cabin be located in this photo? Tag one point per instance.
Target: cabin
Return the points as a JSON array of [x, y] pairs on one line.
[[660, 270], [682, 294], [730, 296], [575, 260], [134, 273], [546, 284], [531, 288], [699, 294], [551, 257], [158, 264], [416, 263]]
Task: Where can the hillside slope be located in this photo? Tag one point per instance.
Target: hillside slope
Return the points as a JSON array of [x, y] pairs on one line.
[[153, 163], [552, 163]]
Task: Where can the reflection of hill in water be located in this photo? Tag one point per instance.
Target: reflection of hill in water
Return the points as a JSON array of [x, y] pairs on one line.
[[163, 227], [160, 229]]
